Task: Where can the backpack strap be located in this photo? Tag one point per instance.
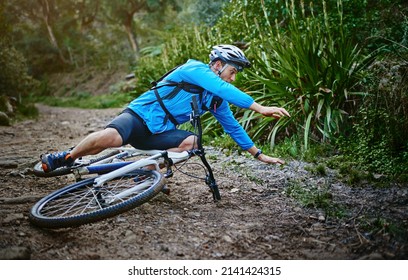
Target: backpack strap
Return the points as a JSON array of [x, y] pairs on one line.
[[193, 89], [155, 83], [178, 86], [168, 114]]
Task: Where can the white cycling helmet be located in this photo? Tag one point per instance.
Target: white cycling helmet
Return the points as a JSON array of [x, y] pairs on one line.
[[230, 54]]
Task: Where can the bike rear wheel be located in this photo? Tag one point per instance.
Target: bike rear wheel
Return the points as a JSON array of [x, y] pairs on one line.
[[82, 203]]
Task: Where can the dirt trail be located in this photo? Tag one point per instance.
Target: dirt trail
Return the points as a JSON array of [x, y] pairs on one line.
[[256, 219]]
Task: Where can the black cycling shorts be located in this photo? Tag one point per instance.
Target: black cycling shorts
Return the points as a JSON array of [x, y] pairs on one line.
[[134, 131]]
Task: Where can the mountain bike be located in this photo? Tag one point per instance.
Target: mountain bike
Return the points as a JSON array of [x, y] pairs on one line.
[[121, 183]]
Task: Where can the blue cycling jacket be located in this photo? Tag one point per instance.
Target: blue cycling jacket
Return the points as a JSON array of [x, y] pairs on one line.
[[200, 74]]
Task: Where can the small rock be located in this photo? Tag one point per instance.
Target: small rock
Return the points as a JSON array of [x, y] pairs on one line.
[[378, 176], [217, 254], [130, 237], [272, 237], [120, 219], [227, 238], [13, 217]]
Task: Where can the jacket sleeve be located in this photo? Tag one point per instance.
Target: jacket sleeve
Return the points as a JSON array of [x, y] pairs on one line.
[[231, 126], [202, 76]]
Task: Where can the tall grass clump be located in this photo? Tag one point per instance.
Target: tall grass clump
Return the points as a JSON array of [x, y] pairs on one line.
[[308, 65]]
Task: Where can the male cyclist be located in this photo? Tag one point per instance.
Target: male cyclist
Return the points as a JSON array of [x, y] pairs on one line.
[[150, 121]]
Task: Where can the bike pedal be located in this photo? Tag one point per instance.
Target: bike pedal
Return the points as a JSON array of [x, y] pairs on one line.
[[166, 190]]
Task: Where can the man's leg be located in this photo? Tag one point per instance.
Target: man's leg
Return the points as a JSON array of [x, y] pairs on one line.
[[187, 144], [96, 142], [90, 145]]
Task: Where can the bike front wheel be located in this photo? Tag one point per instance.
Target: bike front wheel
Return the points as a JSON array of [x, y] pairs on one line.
[[83, 203]]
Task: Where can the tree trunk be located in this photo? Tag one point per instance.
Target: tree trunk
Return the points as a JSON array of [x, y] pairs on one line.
[[46, 17], [128, 22], [132, 40]]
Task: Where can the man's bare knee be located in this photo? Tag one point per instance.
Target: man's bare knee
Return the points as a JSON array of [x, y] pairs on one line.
[[96, 142], [109, 137], [189, 143]]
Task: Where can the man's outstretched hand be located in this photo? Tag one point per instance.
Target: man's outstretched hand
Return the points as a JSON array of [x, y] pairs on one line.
[[275, 112], [267, 159]]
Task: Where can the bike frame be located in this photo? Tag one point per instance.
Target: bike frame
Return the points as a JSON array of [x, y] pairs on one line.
[[129, 167], [106, 165]]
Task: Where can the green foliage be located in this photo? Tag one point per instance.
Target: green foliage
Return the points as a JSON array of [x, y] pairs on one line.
[[311, 70], [380, 225], [15, 83], [26, 110], [83, 33], [85, 100], [293, 147], [307, 60], [317, 197], [310, 196], [378, 138], [372, 143], [14, 80], [248, 19], [223, 141], [319, 169], [198, 12]]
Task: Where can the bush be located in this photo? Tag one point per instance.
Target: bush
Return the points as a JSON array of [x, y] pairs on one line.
[[378, 139], [15, 83], [14, 80], [312, 69]]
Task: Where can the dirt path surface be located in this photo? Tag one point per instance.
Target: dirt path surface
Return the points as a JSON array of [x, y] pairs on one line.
[[256, 218]]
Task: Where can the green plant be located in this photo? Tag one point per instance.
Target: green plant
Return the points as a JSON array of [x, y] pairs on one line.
[[290, 146], [26, 110], [312, 196], [223, 141], [375, 145], [320, 170], [85, 100], [14, 79], [311, 70], [381, 225]]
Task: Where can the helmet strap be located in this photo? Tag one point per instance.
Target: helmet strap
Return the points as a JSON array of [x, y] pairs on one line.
[[222, 69]]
